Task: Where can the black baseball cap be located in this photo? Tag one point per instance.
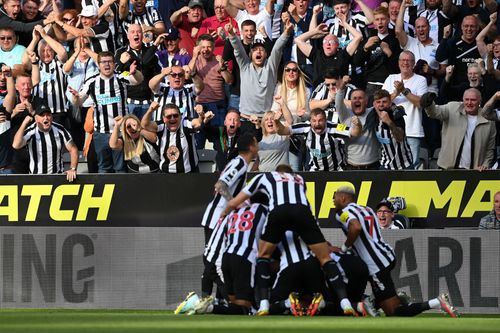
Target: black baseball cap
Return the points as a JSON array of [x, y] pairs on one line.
[[41, 109], [173, 34], [195, 3], [386, 203]]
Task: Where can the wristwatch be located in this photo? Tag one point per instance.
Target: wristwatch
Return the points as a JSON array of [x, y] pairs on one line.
[[344, 248], [406, 91]]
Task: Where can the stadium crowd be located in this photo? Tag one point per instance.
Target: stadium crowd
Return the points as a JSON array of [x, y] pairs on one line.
[[318, 85], [323, 85]]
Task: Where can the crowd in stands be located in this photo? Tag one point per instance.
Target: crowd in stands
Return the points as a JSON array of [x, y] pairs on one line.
[[324, 85]]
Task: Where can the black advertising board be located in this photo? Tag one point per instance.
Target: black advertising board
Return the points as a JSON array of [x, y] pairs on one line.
[[435, 199]]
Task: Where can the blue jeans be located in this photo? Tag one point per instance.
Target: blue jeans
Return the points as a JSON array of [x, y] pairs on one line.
[[414, 144], [7, 171], [108, 160], [138, 109], [234, 102], [219, 109]]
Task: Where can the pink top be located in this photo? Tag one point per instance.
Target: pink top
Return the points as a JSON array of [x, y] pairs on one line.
[[213, 80], [212, 24]]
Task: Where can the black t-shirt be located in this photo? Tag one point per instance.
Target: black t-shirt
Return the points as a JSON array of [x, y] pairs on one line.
[[6, 150], [460, 54], [322, 63], [378, 65]]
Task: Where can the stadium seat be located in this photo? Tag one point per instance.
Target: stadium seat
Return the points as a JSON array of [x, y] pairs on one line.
[[424, 158], [206, 160], [82, 162]]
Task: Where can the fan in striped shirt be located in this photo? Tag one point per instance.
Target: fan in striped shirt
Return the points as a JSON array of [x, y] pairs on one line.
[[52, 81], [97, 31], [359, 20], [324, 140], [390, 131], [175, 91], [361, 226], [46, 142], [176, 138], [142, 15], [109, 94]]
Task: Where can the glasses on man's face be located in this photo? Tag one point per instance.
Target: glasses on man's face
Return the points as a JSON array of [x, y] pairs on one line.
[[6, 38], [219, 7], [330, 42], [288, 70], [67, 19], [172, 116], [383, 211], [148, 35], [177, 74], [106, 62], [330, 84]]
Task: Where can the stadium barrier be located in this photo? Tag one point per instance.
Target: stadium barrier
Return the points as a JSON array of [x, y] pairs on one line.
[[154, 268], [134, 241], [435, 199]]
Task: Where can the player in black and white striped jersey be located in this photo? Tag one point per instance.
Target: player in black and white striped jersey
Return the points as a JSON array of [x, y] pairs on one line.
[[288, 210], [175, 91], [390, 131], [229, 184], [46, 143], [324, 140], [361, 226], [235, 242], [300, 275], [142, 15], [109, 94]]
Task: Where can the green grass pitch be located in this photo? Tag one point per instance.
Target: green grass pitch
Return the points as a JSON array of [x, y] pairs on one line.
[[127, 321]]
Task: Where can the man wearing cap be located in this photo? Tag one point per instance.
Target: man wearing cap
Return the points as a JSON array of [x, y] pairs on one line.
[[46, 141], [214, 26], [188, 21], [385, 214], [98, 32], [138, 96], [141, 14], [171, 55], [363, 236], [248, 32], [258, 72]]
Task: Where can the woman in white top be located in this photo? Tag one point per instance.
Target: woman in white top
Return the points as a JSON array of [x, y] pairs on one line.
[[273, 148], [295, 96]]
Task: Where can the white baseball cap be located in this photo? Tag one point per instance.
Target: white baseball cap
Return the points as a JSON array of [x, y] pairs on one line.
[[88, 11]]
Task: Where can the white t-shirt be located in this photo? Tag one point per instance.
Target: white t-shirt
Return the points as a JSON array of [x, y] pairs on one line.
[[262, 18], [466, 158], [413, 119], [426, 52]]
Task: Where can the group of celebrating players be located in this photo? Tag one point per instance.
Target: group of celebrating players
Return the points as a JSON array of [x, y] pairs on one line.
[[254, 230]]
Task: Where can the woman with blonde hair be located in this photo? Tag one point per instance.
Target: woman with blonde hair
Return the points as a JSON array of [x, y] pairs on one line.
[[273, 148], [139, 146], [295, 96]]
